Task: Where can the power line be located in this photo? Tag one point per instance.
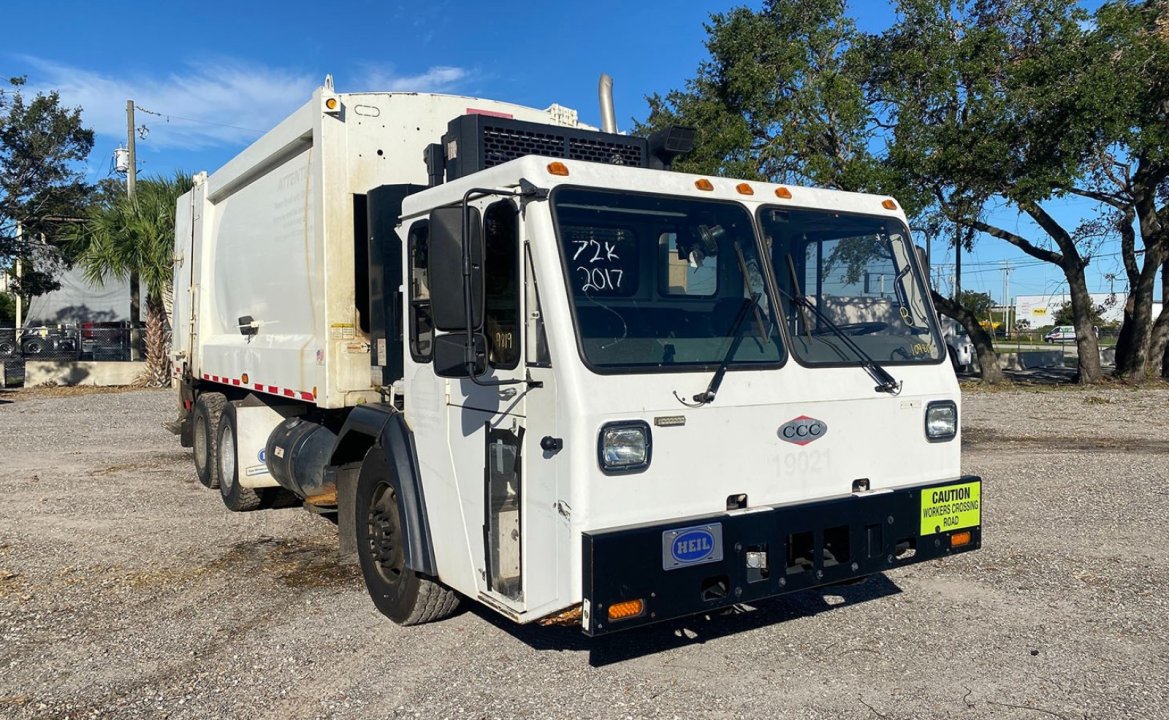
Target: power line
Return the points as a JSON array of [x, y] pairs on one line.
[[168, 118]]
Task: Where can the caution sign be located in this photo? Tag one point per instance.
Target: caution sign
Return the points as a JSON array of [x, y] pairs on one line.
[[951, 507]]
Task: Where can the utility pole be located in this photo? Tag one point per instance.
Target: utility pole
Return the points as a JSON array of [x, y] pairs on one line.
[[131, 171], [19, 272], [131, 178], [1007, 296], [957, 264]]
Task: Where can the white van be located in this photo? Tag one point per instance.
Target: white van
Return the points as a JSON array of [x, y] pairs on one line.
[[958, 344]]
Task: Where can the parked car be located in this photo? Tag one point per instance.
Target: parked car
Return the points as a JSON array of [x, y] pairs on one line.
[[1060, 334], [958, 345]]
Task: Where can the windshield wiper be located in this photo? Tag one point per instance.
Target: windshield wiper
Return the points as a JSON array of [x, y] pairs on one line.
[[707, 396], [885, 382]]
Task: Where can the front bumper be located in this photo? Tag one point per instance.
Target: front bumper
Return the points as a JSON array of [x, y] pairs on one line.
[[704, 563]]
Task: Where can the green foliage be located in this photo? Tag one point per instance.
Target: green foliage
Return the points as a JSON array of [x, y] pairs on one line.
[[124, 235], [7, 308], [780, 99], [1065, 316], [978, 303], [41, 147]]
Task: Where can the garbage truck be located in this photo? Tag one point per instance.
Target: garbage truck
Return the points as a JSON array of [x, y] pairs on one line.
[[522, 361]]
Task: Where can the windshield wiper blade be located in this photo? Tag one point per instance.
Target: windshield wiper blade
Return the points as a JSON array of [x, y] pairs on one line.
[[885, 382], [716, 381]]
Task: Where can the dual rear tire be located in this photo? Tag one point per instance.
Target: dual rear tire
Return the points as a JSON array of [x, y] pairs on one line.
[[215, 442]]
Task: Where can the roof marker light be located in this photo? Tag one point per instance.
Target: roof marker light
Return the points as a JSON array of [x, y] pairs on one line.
[[889, 204], [558, 168], [783, 193], [703, 184], [744, 189]]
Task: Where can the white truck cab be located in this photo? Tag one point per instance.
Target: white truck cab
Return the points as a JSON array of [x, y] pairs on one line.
[[606, 391]]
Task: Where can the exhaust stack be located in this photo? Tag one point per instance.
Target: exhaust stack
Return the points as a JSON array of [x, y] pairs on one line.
[[608, 115]]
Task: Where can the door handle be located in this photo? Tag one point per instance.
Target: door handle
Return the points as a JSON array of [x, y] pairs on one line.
[[507, 393]]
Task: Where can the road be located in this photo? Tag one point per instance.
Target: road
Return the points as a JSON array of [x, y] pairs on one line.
[[128, 591]]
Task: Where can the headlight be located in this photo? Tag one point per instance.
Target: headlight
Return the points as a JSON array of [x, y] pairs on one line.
[[941, 420], [624, 447]]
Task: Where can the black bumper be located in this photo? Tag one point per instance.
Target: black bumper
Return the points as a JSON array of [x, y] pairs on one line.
[[700, 564]]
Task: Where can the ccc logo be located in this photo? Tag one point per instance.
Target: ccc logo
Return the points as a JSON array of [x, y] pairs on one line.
[[802, 430]]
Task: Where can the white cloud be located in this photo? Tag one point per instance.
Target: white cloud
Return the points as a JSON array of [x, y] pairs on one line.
[[213, 103], [436, 79]]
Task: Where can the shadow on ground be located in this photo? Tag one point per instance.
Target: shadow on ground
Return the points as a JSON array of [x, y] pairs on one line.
[[697, 629]]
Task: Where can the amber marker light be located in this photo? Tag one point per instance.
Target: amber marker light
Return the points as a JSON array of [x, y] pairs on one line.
[[244, 378], [704, 184], [626, 609], [558, 168], [744, 189], [783, 193], [331, 104], [959, 539], [889, 204]]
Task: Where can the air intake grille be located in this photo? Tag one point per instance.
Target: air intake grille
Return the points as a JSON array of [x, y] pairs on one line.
[[503, 144], [481, 142]]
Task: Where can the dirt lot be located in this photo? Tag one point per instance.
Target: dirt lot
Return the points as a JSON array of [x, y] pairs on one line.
[[127, 590]]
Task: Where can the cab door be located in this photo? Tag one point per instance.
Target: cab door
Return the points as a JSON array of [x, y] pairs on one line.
[[487, 417]]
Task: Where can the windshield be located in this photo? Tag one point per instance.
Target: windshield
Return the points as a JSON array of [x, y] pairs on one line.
[[658, 282], [856, 271]]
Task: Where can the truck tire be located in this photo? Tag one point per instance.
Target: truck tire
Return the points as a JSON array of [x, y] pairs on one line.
[[399, 593], [36, 346], [205, 440], [235, 497]]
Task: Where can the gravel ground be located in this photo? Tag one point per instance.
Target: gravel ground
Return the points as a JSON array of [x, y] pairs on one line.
[[127, 591]]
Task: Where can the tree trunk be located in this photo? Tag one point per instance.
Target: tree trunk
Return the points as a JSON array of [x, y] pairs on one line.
[[158, 368], [1087, 344], [1132, 365], [988, 360]]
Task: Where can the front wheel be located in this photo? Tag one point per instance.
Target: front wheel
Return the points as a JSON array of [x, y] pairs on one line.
[[399, 593], [236, 497]]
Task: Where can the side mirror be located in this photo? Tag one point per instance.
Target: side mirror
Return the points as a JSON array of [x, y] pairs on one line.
[[447, 304], [450, 359]]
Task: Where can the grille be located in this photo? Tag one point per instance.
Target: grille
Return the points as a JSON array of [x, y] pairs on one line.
[[503, 144]]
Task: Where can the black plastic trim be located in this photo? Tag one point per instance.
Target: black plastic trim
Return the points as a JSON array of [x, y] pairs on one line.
[[381, 428]]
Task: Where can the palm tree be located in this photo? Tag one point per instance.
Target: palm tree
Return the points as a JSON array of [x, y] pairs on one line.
[[126, 236]]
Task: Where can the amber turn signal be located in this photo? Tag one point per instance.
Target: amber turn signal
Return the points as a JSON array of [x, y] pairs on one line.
[[959, 539], [626, 609]]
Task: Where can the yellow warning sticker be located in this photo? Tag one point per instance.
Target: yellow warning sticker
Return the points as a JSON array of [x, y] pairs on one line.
[[951, 507]]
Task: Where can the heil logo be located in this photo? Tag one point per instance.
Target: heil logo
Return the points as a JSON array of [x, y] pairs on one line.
[[693, 546]]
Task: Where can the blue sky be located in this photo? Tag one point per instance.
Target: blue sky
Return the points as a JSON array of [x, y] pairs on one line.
[[218, 73]]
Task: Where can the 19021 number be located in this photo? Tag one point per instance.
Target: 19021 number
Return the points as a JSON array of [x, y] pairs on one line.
[[806, 461]]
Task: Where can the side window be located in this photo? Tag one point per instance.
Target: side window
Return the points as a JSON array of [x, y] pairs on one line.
[[688, 270], [421, 326], [501, 266]]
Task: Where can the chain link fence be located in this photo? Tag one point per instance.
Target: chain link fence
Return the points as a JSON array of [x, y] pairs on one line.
[[107, 342]]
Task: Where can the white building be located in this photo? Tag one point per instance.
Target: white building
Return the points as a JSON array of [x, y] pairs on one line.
[[1040, 310]]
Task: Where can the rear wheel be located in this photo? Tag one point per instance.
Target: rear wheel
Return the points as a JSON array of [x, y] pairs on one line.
[[208, 409], [399, 593], [236, 497]]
